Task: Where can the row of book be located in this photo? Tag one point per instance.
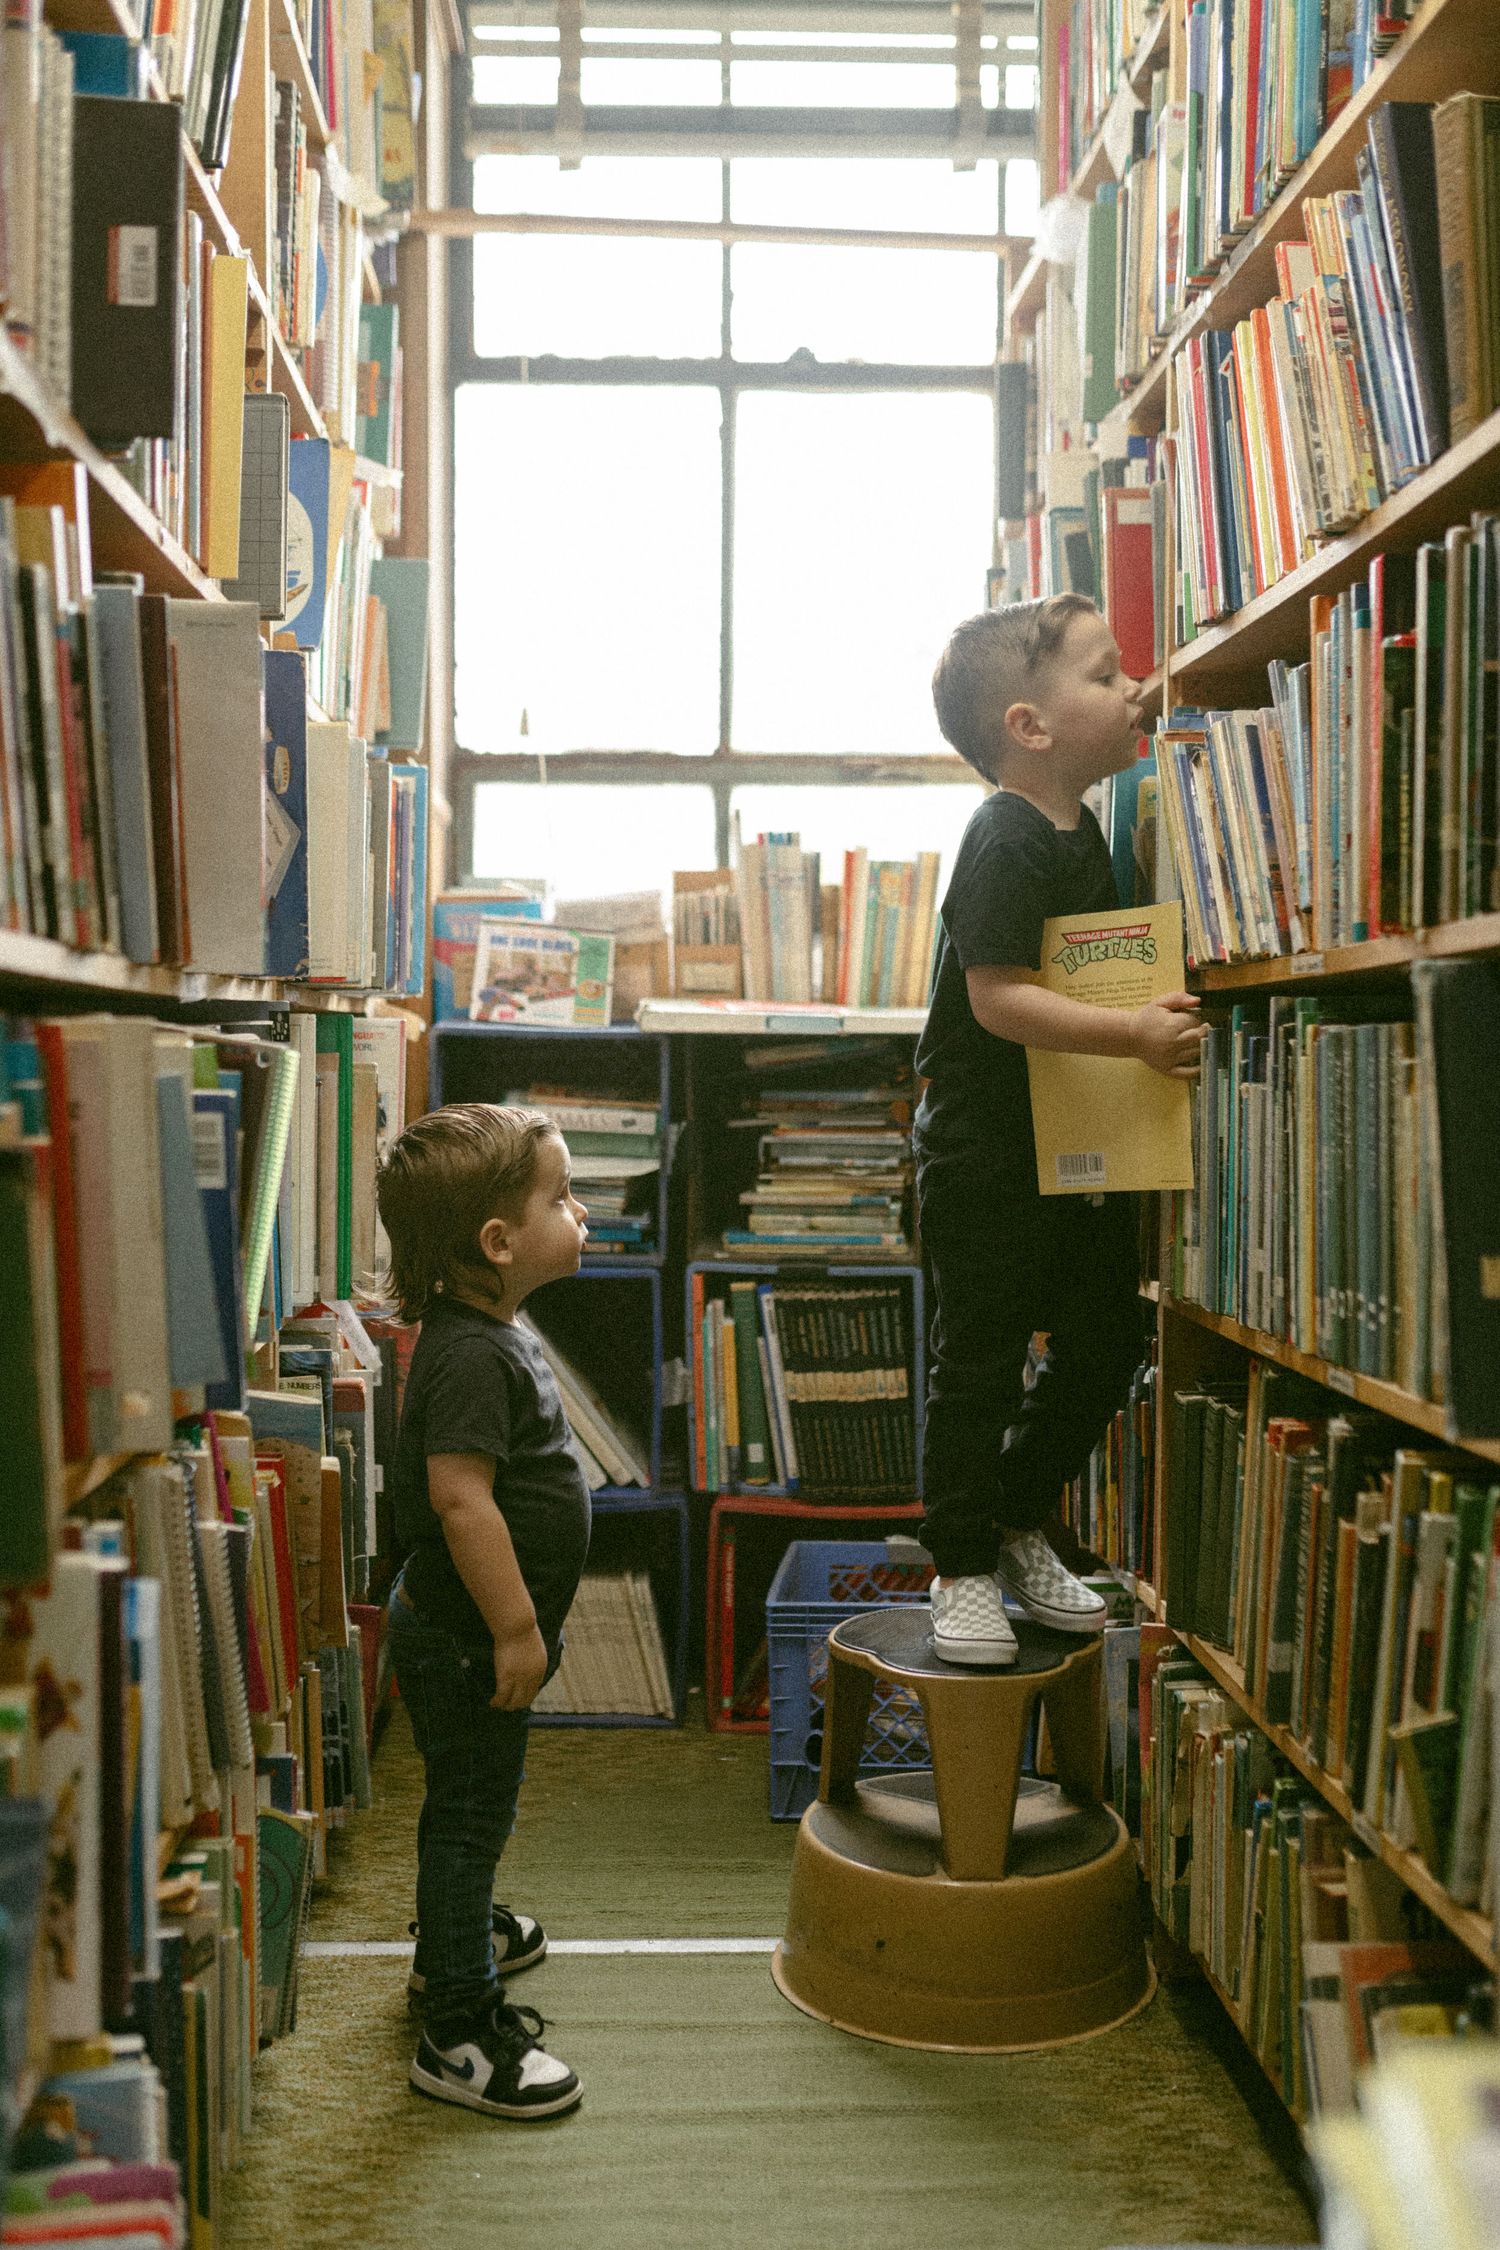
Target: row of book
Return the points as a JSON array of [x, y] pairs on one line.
[[1354, 1580], [1315, 1216], [1096, 42], [1364, 799], [361, 56], [1324, 1960], [1110, 1507], [171, 1200], [613, 1661], [1421, 2151], [1338, 1203], [1323, 403], [801, 1388], [162, 790], [864, 942]]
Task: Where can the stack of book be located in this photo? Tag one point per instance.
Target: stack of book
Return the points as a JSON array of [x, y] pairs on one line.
[[833, 1177], [1320, 405], [613, 1661], [612, 1453], [1111, 1507], [616, 1147], [864, 942], [801, 1388], [1307, 1936], [1353, 1579]]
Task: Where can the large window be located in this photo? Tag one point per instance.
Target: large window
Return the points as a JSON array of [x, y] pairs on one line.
[[718, 504]]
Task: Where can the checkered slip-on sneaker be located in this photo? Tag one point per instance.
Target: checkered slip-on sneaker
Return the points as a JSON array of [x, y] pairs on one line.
[[1034, 1578], [969, 1624], [518, 1942]]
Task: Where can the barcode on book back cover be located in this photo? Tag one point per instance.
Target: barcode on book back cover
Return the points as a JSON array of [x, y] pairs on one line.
[[1080, 1168]]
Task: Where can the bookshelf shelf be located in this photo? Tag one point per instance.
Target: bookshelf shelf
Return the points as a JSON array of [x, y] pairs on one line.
[[1463, 478], [1026, 299], [1449, 43], [84, 1477], [284, 373], [1096, 167], [1384, 1398], [127, 536], [1468, 1926], [1376, 957], [290, 57], [40, 962]]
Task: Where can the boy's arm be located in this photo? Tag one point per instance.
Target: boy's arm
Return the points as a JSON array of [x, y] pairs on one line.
[[1010, 1004], [461, 1488]]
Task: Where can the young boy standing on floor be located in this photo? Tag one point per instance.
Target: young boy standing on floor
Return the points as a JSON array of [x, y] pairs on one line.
[[1035, 697], [492, 1519]]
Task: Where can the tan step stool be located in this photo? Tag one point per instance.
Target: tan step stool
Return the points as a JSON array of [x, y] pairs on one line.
[[967, 1909]]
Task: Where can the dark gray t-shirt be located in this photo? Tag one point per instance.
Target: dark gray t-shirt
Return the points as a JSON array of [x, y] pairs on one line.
[[1014, 870], [479, 1385]]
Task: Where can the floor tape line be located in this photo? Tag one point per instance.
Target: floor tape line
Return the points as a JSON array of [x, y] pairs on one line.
[[391, 1949]]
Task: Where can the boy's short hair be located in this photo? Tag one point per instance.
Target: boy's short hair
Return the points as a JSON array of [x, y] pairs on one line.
[[990, 662], [451, 1172]]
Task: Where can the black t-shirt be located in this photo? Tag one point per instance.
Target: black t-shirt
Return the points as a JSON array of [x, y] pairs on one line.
[[479, 1385], [1014, 870]]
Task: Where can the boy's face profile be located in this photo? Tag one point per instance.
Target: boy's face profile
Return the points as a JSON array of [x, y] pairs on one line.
[[546, 1240], [1086, 709]]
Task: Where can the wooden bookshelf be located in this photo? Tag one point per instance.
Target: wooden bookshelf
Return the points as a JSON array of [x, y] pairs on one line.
[[1368, 1390], [1467, 476], [1375, 957], [1029, 293], [1096, 169], [40, 963], [1470, 1927], [1448, 44], [291, 59]]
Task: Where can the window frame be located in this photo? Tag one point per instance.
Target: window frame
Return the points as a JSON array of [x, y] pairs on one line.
[[724, 768]]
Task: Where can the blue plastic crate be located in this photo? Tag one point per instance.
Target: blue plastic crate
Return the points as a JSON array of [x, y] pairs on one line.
[[819, 1584]]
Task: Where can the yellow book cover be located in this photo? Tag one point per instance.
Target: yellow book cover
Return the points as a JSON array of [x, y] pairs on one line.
[[1103, 1122], [224, 388]]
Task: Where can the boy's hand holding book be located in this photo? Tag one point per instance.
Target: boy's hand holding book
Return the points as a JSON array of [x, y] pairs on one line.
[[1168, 1033]]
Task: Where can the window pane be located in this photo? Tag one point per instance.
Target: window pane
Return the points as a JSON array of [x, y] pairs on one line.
[[583, 298], [516, 79], [891, 823], [586, 544], [918, 307], [862, 535], [620, 79], [843, 85], [592, 839]]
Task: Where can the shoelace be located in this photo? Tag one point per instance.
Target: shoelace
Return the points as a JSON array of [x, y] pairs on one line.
[[519, 2029]]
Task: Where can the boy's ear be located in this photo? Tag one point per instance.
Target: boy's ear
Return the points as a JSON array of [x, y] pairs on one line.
[[494, 1243], [1026, 728]]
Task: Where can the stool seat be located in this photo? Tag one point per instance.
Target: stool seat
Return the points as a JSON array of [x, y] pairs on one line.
[[967, 1908]]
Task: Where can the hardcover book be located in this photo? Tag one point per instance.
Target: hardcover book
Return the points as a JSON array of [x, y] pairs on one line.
[[1106, 1123]]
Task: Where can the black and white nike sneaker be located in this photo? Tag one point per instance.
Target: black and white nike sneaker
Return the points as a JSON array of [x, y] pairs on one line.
[[497, 2065], [517, 1941]]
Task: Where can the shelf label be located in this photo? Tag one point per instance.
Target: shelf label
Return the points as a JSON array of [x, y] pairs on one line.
[[1340, 1379], [1306, 964], [804, 1022]]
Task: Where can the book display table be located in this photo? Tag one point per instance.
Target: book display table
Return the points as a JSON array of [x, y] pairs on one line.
[[969, 1909]]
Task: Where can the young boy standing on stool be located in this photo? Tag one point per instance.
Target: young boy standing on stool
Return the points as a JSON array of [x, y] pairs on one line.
[[1035, 697], [492, 1518]]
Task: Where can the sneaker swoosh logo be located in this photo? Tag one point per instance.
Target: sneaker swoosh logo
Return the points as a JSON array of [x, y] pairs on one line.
[[464, 2074]]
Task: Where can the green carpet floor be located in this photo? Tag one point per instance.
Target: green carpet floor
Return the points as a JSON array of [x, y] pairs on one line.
[[716, 2115]]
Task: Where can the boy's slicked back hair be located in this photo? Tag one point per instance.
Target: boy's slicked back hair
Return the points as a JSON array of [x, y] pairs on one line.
[[450, 1172], [990, 663]]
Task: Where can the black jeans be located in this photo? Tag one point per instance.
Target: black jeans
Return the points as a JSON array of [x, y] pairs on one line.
[[474, 1758], [1003, 1265]]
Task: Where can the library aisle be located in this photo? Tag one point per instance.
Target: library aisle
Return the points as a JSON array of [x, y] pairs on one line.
[[714, 2114]]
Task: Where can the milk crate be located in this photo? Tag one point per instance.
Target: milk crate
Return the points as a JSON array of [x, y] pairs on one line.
[[819, 1584]]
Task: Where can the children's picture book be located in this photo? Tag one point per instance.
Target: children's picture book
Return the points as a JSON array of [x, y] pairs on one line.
[[527, 972], [1105, 1123]]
